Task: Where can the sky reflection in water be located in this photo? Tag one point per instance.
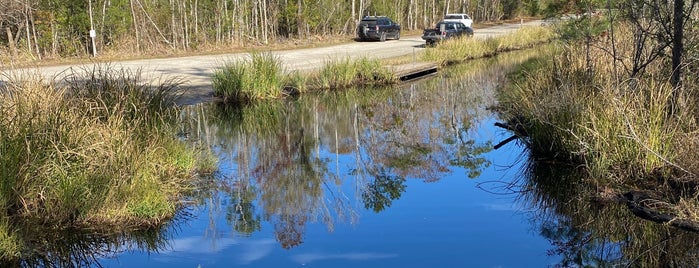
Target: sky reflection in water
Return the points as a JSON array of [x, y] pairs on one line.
[[439, 217]]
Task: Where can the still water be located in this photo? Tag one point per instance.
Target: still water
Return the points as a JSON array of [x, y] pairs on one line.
[[394, 177], [379, 177]]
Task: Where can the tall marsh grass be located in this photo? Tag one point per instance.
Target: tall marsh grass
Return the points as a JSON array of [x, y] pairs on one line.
[[263, 77], [258, 78], [347, 72], [99, 151], [619, 130], [458, 50]]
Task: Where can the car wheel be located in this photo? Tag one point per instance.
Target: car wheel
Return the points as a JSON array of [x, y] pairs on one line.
[[383, 37], [398, 36]]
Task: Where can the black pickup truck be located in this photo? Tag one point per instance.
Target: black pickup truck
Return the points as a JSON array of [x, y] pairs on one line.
[[377, 28], [445, 30]]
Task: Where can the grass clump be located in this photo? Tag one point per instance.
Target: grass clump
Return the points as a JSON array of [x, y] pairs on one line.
[[259, 78], [263, 78], [344, 73], [99, 151]]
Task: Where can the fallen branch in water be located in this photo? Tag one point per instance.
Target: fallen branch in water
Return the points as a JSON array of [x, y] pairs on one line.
[[635, 200], [517, 129], [506, 141]]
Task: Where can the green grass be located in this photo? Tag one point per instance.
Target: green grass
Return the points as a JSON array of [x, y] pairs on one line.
[[9, 242], [100, 151], [263, 78], [259, 78], [458, 50], [619, 131], [345, 73]]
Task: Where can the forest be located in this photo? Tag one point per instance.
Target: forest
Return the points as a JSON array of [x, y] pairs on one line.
[[42, 29]]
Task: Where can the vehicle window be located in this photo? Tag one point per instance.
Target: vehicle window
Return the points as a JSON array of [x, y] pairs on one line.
[[451, 17], [368, 21]]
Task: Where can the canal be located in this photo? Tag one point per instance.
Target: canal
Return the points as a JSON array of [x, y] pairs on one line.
[[376, 177], [404, 176]]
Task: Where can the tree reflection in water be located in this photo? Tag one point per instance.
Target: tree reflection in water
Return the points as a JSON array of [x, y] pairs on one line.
[[385, 188], [281, 160], [588, 232], [280, 163], [286, 163]]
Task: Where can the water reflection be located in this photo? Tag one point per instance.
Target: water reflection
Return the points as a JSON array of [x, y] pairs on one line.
[[326, 159], [286, 163], [587, 232], [42, 247]]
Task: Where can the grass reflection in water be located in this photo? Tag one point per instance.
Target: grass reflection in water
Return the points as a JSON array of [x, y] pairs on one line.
[[285, 162]]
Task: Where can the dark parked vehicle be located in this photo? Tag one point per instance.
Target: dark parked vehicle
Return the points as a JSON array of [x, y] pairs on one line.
[[378, 28], [445, 30]]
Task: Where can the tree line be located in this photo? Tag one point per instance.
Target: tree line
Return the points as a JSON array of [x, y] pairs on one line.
[[61, 28]]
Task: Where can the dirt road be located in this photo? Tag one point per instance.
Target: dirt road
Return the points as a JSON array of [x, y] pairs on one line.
[[195, 72]]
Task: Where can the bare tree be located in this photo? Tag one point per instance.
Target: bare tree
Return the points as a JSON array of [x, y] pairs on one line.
[[659, 26]]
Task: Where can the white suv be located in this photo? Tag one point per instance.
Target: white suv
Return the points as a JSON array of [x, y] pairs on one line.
[[463, 18]]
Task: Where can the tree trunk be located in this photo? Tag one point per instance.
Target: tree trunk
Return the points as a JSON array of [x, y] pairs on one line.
[[185, 25], [135, 27], [104, 16], [54, 39], [13, 48], [677, 43], [173, 25], [299, 19], [613, 40], [196, 18], [677, 49], [410, 20], [354, 13], [36, 39], [265, 22], [27, 29]]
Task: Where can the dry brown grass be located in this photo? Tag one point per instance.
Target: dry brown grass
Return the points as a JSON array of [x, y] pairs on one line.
[[617, 128]]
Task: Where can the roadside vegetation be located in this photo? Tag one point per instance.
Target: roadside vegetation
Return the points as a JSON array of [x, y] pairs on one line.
[[239, 81], [605, 99], [262, 77], [99, 152], [459, 50]]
